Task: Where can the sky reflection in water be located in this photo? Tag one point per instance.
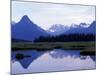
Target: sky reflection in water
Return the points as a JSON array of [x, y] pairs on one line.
[[56, 60]]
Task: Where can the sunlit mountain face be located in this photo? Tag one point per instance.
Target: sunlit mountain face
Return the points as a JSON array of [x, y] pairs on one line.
[[57, 29], [82, 28]]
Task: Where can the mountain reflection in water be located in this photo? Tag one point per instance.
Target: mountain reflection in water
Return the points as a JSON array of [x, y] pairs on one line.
[[26, 61], [55, 60]]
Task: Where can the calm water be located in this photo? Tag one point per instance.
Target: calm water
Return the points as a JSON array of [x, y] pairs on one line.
[[55, 60]]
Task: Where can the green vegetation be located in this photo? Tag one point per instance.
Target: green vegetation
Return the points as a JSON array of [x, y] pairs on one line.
[[51, 45], [88, 51], [86, 48]]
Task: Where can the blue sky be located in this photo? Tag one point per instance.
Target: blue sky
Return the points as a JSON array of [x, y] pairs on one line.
[[46, 14]]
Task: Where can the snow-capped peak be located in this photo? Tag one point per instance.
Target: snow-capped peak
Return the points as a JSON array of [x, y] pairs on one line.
[[57, 28]]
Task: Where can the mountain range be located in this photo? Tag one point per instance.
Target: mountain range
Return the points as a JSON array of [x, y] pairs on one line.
[[57, 29], [25, 29], [79, 29]]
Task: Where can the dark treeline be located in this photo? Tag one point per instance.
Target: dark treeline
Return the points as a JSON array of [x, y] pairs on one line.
[[19, 40], [67, 38]]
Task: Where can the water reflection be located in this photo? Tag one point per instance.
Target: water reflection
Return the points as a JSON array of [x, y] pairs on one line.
[[27, 57], [58, 53], [55, 60]]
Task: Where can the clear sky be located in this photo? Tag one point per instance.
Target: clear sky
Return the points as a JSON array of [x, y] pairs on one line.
[[47, 14]]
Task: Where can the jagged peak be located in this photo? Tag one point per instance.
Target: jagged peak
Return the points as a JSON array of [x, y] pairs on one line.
[[25, 18]]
